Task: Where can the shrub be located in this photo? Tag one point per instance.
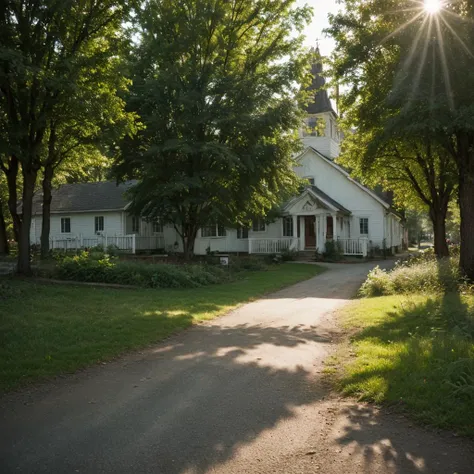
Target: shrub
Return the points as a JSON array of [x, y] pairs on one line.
[[273, 258], [333, 250], [247, 263], [425, 274], [91, 268], [289, 255], [378, 283], [113, 250]]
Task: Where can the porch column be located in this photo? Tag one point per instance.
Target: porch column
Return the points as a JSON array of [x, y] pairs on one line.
[[334, 227], [295, 229], [319, 233], [302, 233]]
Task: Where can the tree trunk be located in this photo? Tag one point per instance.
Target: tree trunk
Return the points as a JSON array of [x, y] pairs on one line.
[[4, 248], [12, 178], [189, 233], [466, 204], [438, 218], [29, 181], [46, 222]]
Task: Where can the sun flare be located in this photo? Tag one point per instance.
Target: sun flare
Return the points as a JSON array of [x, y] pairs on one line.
[[432, 6]]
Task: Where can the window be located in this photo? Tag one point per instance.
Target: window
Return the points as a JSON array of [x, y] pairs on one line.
[[364, 225], [65, 225], [99, 224], [214, 230], [243, 233], [135, 224], [310, 181], [288, 226], [157, 227], [258, 225]]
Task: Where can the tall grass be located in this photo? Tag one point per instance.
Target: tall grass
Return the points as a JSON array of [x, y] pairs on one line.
[[413, 276]]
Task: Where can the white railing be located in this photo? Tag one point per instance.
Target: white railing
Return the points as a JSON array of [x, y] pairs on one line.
[[153, 242], [269, 246], [65, 243], [355, 246], [128, 243]]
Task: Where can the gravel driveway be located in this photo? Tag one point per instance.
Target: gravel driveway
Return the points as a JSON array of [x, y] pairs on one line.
[[241, 394]]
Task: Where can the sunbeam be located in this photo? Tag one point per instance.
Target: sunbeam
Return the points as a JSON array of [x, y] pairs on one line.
[[444, 64], [463, 44], [422, 62], [402, 27]]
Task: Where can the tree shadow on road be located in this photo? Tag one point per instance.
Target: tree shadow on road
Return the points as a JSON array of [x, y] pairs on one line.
[[181, 407]]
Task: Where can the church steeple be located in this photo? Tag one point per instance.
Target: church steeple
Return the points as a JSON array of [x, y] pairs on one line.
[[320, 101]]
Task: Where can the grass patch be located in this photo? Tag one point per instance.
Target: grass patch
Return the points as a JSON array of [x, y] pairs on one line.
[[46, 330], [416, 352]]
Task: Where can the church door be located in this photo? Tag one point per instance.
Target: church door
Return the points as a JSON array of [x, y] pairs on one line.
[[310, 231]]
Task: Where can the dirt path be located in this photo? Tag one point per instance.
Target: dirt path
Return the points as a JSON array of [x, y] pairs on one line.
[[241, 394]]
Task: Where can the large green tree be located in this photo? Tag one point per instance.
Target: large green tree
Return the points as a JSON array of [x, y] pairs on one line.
[[419, 172], [46, 49], [216, 87], [410, 77], [83, 127]]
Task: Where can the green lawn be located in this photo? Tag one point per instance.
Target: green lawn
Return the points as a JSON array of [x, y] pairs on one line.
[[415, 352], [48, 329]]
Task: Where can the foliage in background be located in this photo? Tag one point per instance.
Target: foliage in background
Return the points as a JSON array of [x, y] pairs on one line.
[[216, 85]]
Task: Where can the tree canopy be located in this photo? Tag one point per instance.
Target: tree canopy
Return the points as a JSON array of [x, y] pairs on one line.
[[48, 52], [216, 86], [406, 72]]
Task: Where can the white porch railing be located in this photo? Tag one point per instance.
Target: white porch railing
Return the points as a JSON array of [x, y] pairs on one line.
[[128, 243], [269, 246], [355, 246]]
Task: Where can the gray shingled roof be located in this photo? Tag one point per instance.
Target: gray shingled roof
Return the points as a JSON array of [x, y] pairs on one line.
[[83, 197], [329, 199]]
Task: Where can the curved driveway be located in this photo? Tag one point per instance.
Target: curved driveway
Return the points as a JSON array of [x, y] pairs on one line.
[[240, 394]]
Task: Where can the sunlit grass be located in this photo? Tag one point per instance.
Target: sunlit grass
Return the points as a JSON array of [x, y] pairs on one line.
[[414, 352], [47, 330]]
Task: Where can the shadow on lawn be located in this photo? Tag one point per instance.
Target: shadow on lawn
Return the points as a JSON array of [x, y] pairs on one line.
[[421, 360]]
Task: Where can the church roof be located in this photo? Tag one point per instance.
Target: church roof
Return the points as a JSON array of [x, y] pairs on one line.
[[325, 197], [320, 101], [86, 197]]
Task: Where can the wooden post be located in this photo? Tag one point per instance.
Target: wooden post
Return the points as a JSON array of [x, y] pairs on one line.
[[133, 244]]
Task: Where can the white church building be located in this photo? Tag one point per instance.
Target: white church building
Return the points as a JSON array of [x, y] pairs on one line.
[[332, 207]]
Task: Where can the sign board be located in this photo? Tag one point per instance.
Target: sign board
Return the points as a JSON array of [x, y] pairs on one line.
[[224, 260]]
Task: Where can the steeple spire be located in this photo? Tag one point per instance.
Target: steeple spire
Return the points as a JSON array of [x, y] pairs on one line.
[[321, 102]]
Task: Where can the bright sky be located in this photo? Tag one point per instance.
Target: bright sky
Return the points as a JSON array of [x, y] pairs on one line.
[[321, 9]]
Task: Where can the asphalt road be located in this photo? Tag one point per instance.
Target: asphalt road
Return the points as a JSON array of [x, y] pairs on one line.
[[241, 394]]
